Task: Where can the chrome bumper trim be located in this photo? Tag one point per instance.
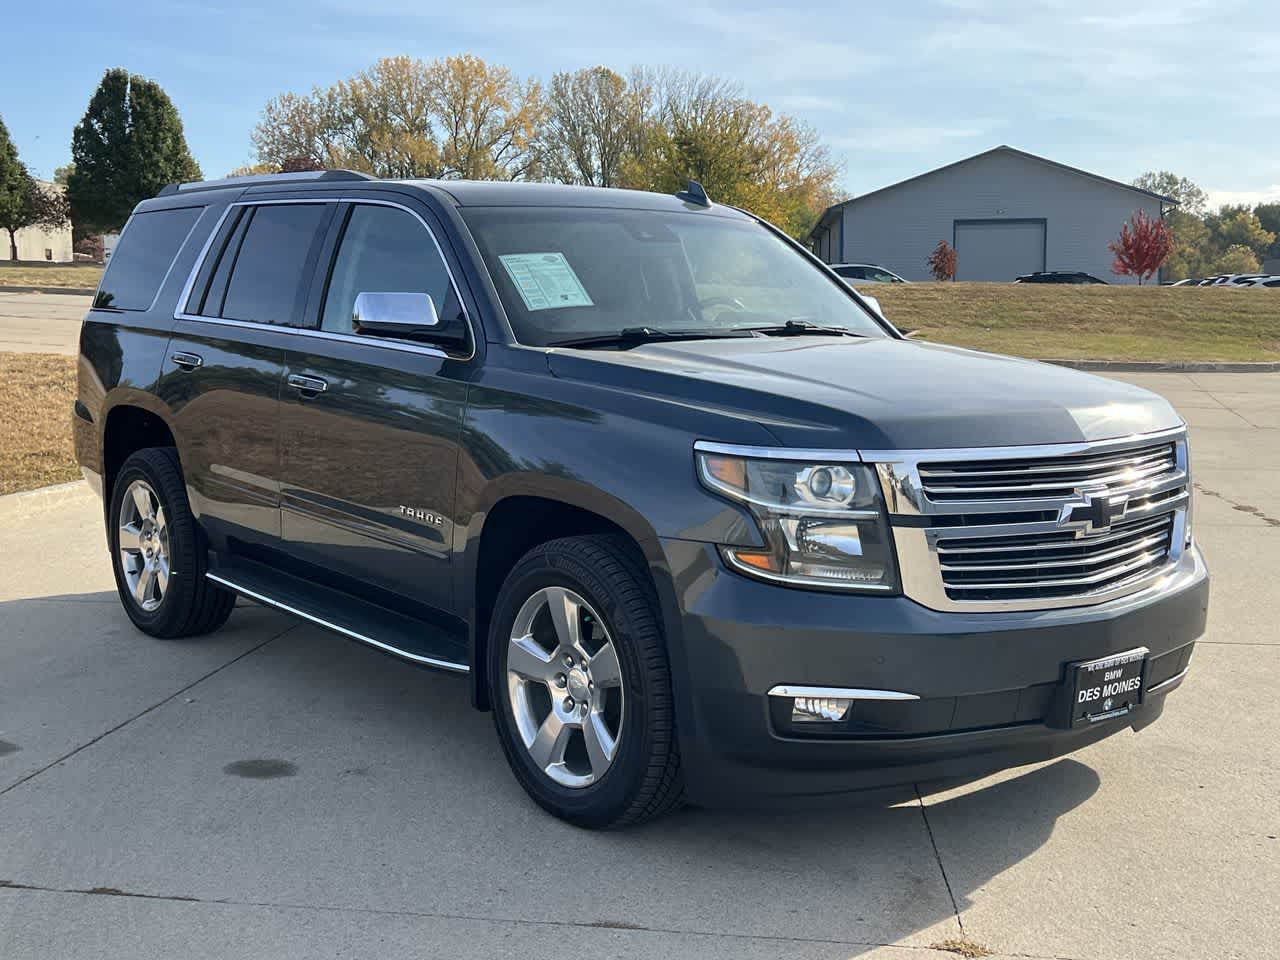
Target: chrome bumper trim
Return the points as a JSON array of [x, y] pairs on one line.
[[1166, 685], [839, 693]]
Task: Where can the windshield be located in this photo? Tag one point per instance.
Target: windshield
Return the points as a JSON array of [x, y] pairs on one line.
[[569, 273]]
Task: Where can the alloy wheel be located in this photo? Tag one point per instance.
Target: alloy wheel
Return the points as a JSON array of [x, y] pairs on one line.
[[143, 542], [564, 685]]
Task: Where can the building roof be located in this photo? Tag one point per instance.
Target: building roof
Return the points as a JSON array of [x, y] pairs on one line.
[[828, 215]]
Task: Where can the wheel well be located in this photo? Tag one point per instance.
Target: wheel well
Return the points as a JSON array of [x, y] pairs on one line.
[[514, 527], [128, 430]]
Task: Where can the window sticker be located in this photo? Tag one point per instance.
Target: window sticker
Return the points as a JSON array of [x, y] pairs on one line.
[[545, 280]]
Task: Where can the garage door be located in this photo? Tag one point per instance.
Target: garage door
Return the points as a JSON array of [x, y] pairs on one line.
[[998, 250]]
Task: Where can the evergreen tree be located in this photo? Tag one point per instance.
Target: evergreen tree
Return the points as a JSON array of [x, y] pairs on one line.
[[128, 145], [23, 201]]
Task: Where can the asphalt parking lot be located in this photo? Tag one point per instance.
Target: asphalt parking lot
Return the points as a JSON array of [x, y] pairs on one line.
[[276, 791]]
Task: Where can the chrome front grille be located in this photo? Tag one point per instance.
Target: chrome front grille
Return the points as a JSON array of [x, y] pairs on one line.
[[1041, 565], [1025, 528], [1041, 477]]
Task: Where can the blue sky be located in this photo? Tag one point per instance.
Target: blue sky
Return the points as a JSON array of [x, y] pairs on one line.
[[894, 88]]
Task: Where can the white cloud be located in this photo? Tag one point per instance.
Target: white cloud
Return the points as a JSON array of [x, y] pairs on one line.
[[1218, 198]]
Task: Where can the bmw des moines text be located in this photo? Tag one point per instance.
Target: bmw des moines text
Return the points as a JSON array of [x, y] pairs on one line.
[[690, 518]]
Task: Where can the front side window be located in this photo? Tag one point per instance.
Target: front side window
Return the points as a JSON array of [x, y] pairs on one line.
[[269, 266], [567, 273], [141, 260], [387, 250]]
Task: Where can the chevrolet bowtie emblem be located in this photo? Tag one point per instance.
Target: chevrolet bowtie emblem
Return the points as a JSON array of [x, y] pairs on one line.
[[1092, 511]]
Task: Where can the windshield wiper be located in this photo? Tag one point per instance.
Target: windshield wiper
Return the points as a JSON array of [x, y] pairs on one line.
[[797, 328], [633, 336]]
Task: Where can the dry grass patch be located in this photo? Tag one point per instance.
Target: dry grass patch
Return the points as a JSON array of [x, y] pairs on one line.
[[965, 948], [84, 278], [36, 394], [1090, 322]]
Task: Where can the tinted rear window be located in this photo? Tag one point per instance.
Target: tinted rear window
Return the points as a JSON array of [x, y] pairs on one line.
[[267, 280], [143, 256]]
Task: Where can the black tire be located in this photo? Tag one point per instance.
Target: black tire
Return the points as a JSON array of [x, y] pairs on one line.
[[191, 604], [643, 781]]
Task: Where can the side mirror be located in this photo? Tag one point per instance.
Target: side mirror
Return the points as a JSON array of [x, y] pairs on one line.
[[406, 315], [872, 302]]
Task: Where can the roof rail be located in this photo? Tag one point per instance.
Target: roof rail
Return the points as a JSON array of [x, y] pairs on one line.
[[258, 178]]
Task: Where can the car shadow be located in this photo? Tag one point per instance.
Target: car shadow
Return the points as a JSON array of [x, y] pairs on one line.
[[348, 725]]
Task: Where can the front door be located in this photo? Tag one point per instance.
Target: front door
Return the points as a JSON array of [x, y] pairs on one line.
[[370, 425]]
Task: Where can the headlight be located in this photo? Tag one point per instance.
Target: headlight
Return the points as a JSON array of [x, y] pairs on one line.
[[824, 524]]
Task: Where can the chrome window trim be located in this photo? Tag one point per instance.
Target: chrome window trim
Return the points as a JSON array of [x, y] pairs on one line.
[[180, 310], [841, 693], [319, 621]]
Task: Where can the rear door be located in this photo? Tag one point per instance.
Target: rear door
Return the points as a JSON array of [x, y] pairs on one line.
[[225, 363], [370, 425], [999, 250]]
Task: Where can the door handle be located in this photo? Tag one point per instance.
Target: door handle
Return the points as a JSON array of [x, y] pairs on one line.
[[188, 361], [307, 385]]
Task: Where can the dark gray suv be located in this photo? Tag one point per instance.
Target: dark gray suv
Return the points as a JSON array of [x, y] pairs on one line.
[[691, 519]]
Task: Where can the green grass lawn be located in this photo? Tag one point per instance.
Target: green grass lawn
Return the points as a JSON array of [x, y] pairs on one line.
[[1110, 322], [82, 277]]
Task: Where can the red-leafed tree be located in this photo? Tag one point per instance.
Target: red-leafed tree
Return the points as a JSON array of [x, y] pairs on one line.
[[1142, 247], [942, 262]]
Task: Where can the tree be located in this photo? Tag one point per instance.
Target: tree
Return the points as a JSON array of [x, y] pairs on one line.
[[63, 173], [408, 118], [1142, 247], [24, 201], [489, 119], [1268, 215], [595, 124], [1192, 248], [1235, 259], [1191, 199], [128, 145], [1238, 226], [704, 129], [942, 262]]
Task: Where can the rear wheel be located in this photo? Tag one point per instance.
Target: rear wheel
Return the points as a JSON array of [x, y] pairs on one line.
[[157, 551], [581, 684]]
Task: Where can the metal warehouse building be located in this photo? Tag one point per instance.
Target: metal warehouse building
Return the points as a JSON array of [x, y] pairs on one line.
[[1005, 211]]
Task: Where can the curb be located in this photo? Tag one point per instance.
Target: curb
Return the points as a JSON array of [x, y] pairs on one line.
[[1170, 366], [44, 498], [75, 291]]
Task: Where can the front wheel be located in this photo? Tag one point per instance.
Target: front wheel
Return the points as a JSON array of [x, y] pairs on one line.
[[581, 684]]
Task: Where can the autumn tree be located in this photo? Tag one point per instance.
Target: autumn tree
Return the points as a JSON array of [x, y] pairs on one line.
[[24, 201], [1233, 226], [407, 118], [942, 262], [1268, 215], [704, 129], [1142, 247], [1192, 251], [596, 122], [1237, 258], [1188, 195], [128, 145]]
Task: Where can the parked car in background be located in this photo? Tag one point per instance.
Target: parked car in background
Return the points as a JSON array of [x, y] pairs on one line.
[[1057, 276], [866, 273], [1261, 282], [1187, 282], [1233, 279]]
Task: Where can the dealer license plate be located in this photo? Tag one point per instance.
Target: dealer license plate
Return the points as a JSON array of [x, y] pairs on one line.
[[1108, 687]]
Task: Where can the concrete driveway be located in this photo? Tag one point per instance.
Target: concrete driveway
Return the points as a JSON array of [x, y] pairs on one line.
[[41, 322], [275, 791]]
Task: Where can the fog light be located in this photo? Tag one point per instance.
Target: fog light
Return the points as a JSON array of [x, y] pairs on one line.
[[809, 709]]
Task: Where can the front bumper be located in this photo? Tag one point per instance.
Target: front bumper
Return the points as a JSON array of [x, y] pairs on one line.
[[990, 685]]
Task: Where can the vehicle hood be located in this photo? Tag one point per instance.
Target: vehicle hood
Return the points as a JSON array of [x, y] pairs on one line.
[[875, 394]]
